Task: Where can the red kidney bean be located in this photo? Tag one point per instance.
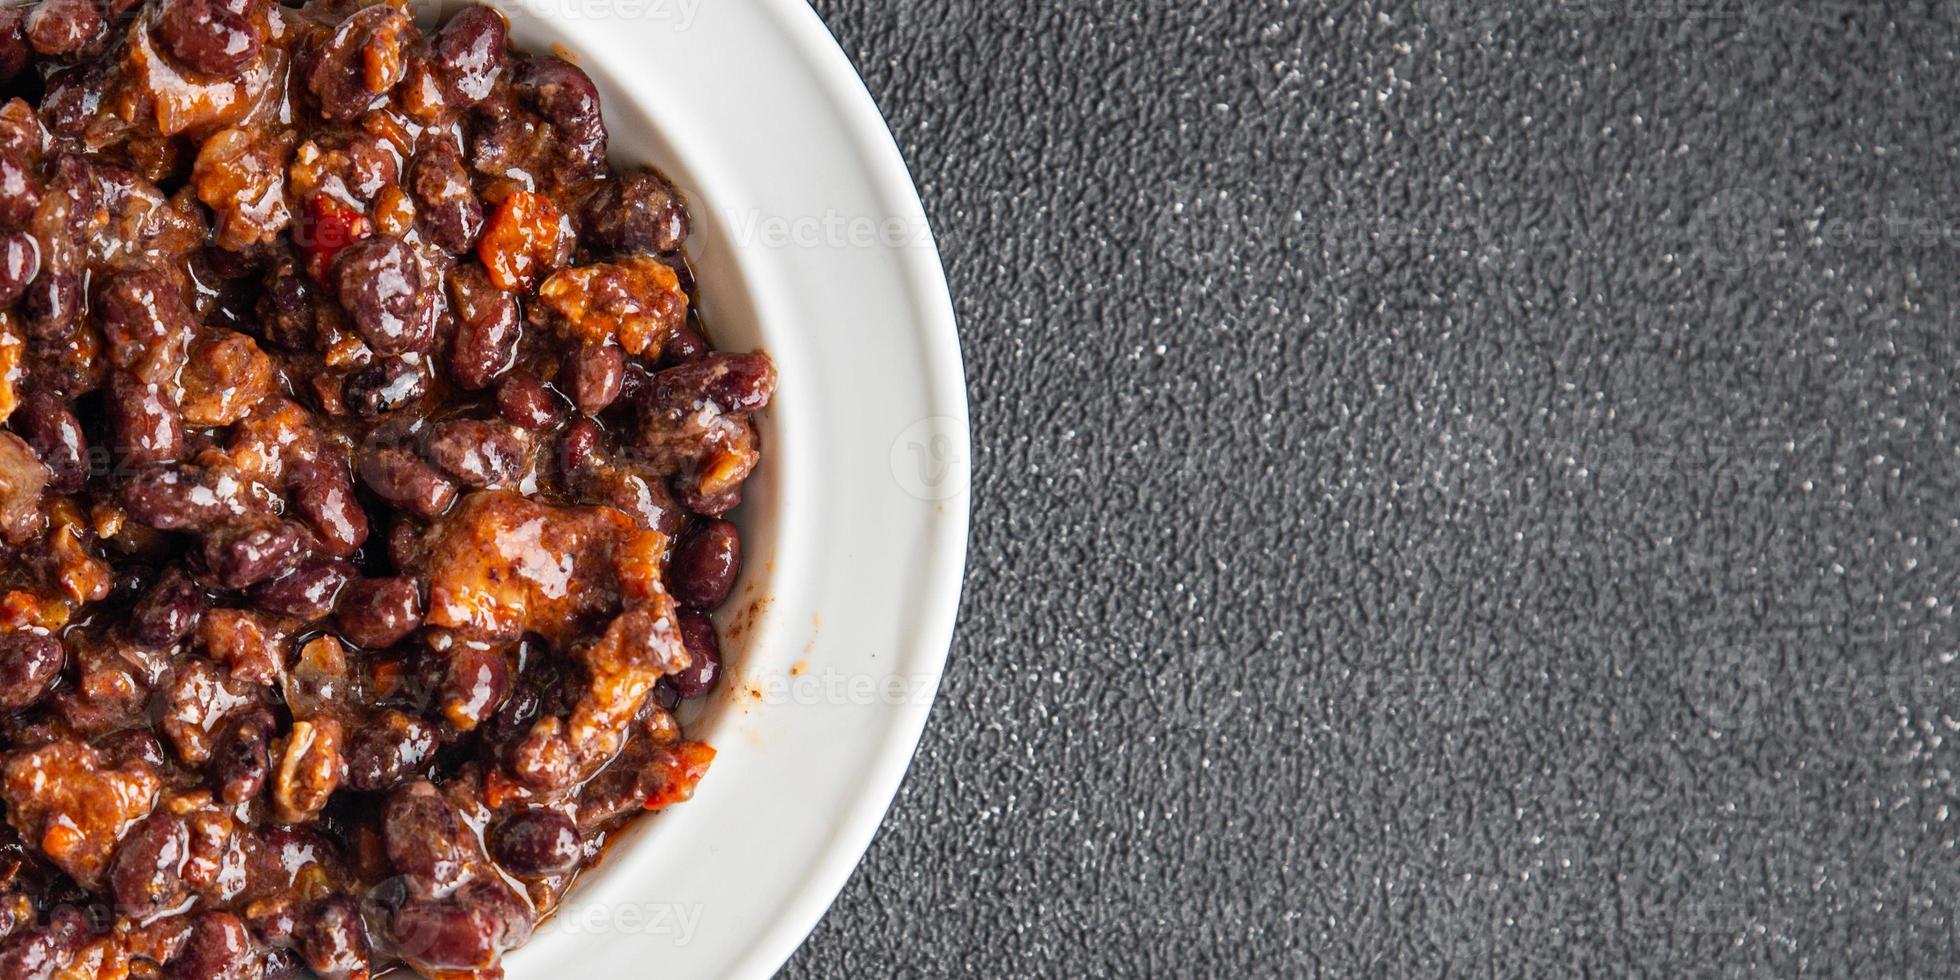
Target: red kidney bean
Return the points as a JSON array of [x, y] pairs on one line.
[[147, 425], [333, 939], [53, 303], [379, 612], [406, 481], [209, 36], [134, 746], [684, 347], [467, 54], [147, 874], [247, 556], [30, 663], [580, 445], [524, 401], [219, 948], [20, 190], [15, 54], [385, 386], [242, 761], [639, 212], [705, 565], [704, 656], [180, 498], [38, 953], [422, 835], [168, 611], [593, 375], [74, 98], [516, 715], [389, 748], [20, 262], [64, 27], [380, 284], [477, 453], [447, 208], [146, 325], [474, 684], [356, 67], [536, 843], [323, 494], [464, 932], [568, 100], [45, 421], [487, 329], [307, 592]]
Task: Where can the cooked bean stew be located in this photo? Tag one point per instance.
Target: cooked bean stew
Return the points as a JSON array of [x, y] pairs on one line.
[[363, 485]]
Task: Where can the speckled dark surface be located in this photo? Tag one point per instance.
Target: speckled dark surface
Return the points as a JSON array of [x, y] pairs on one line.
[[1460, 491]]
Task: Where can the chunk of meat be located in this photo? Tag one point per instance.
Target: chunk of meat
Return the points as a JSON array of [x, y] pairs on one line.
[[76, 804], [501, 565], [637, 301], [241, 175], [225, 377], [198, 702], [694, 426], [22, 477]]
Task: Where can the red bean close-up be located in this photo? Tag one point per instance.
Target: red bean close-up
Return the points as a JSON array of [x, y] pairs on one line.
[[366, 474]]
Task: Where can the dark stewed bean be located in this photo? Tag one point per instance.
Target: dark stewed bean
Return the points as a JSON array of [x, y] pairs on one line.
[[307, 592], [465, 932], [146, 325], [475, 682], [20, 262], [241, 763], [568, 100], [47, 424], [357, 66], [407, 482], [38, 953], [134, 746], [705, 565], [30, 663], [219, 948], [640, 212], [579, 446], [487, 329], [524, 401], [20, 190], [389, 748], [536, 843], [704, 656], [477, 453], [468, 54], [147, 875], [147, 425], [64, 27], [384, 386], [169, 611], [210, 36], [15, 54], [246, 557], [450, 213], [592, 376], [684, 347], [74, 98], [422, 835], [379, 612], [179, 499], [53, 301], [333, 939], [380, 285], [516, 715], [323, 494]]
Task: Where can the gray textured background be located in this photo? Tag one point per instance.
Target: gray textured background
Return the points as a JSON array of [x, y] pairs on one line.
[[1461, 491]]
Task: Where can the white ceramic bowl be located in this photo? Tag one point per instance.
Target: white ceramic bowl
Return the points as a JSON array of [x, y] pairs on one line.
[[809, 242]]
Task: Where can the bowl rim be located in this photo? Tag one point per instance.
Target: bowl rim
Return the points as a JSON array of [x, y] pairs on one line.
[[795, 433]]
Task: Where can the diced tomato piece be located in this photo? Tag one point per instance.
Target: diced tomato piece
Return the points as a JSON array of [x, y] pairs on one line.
[[327, 226], [683, 766]]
